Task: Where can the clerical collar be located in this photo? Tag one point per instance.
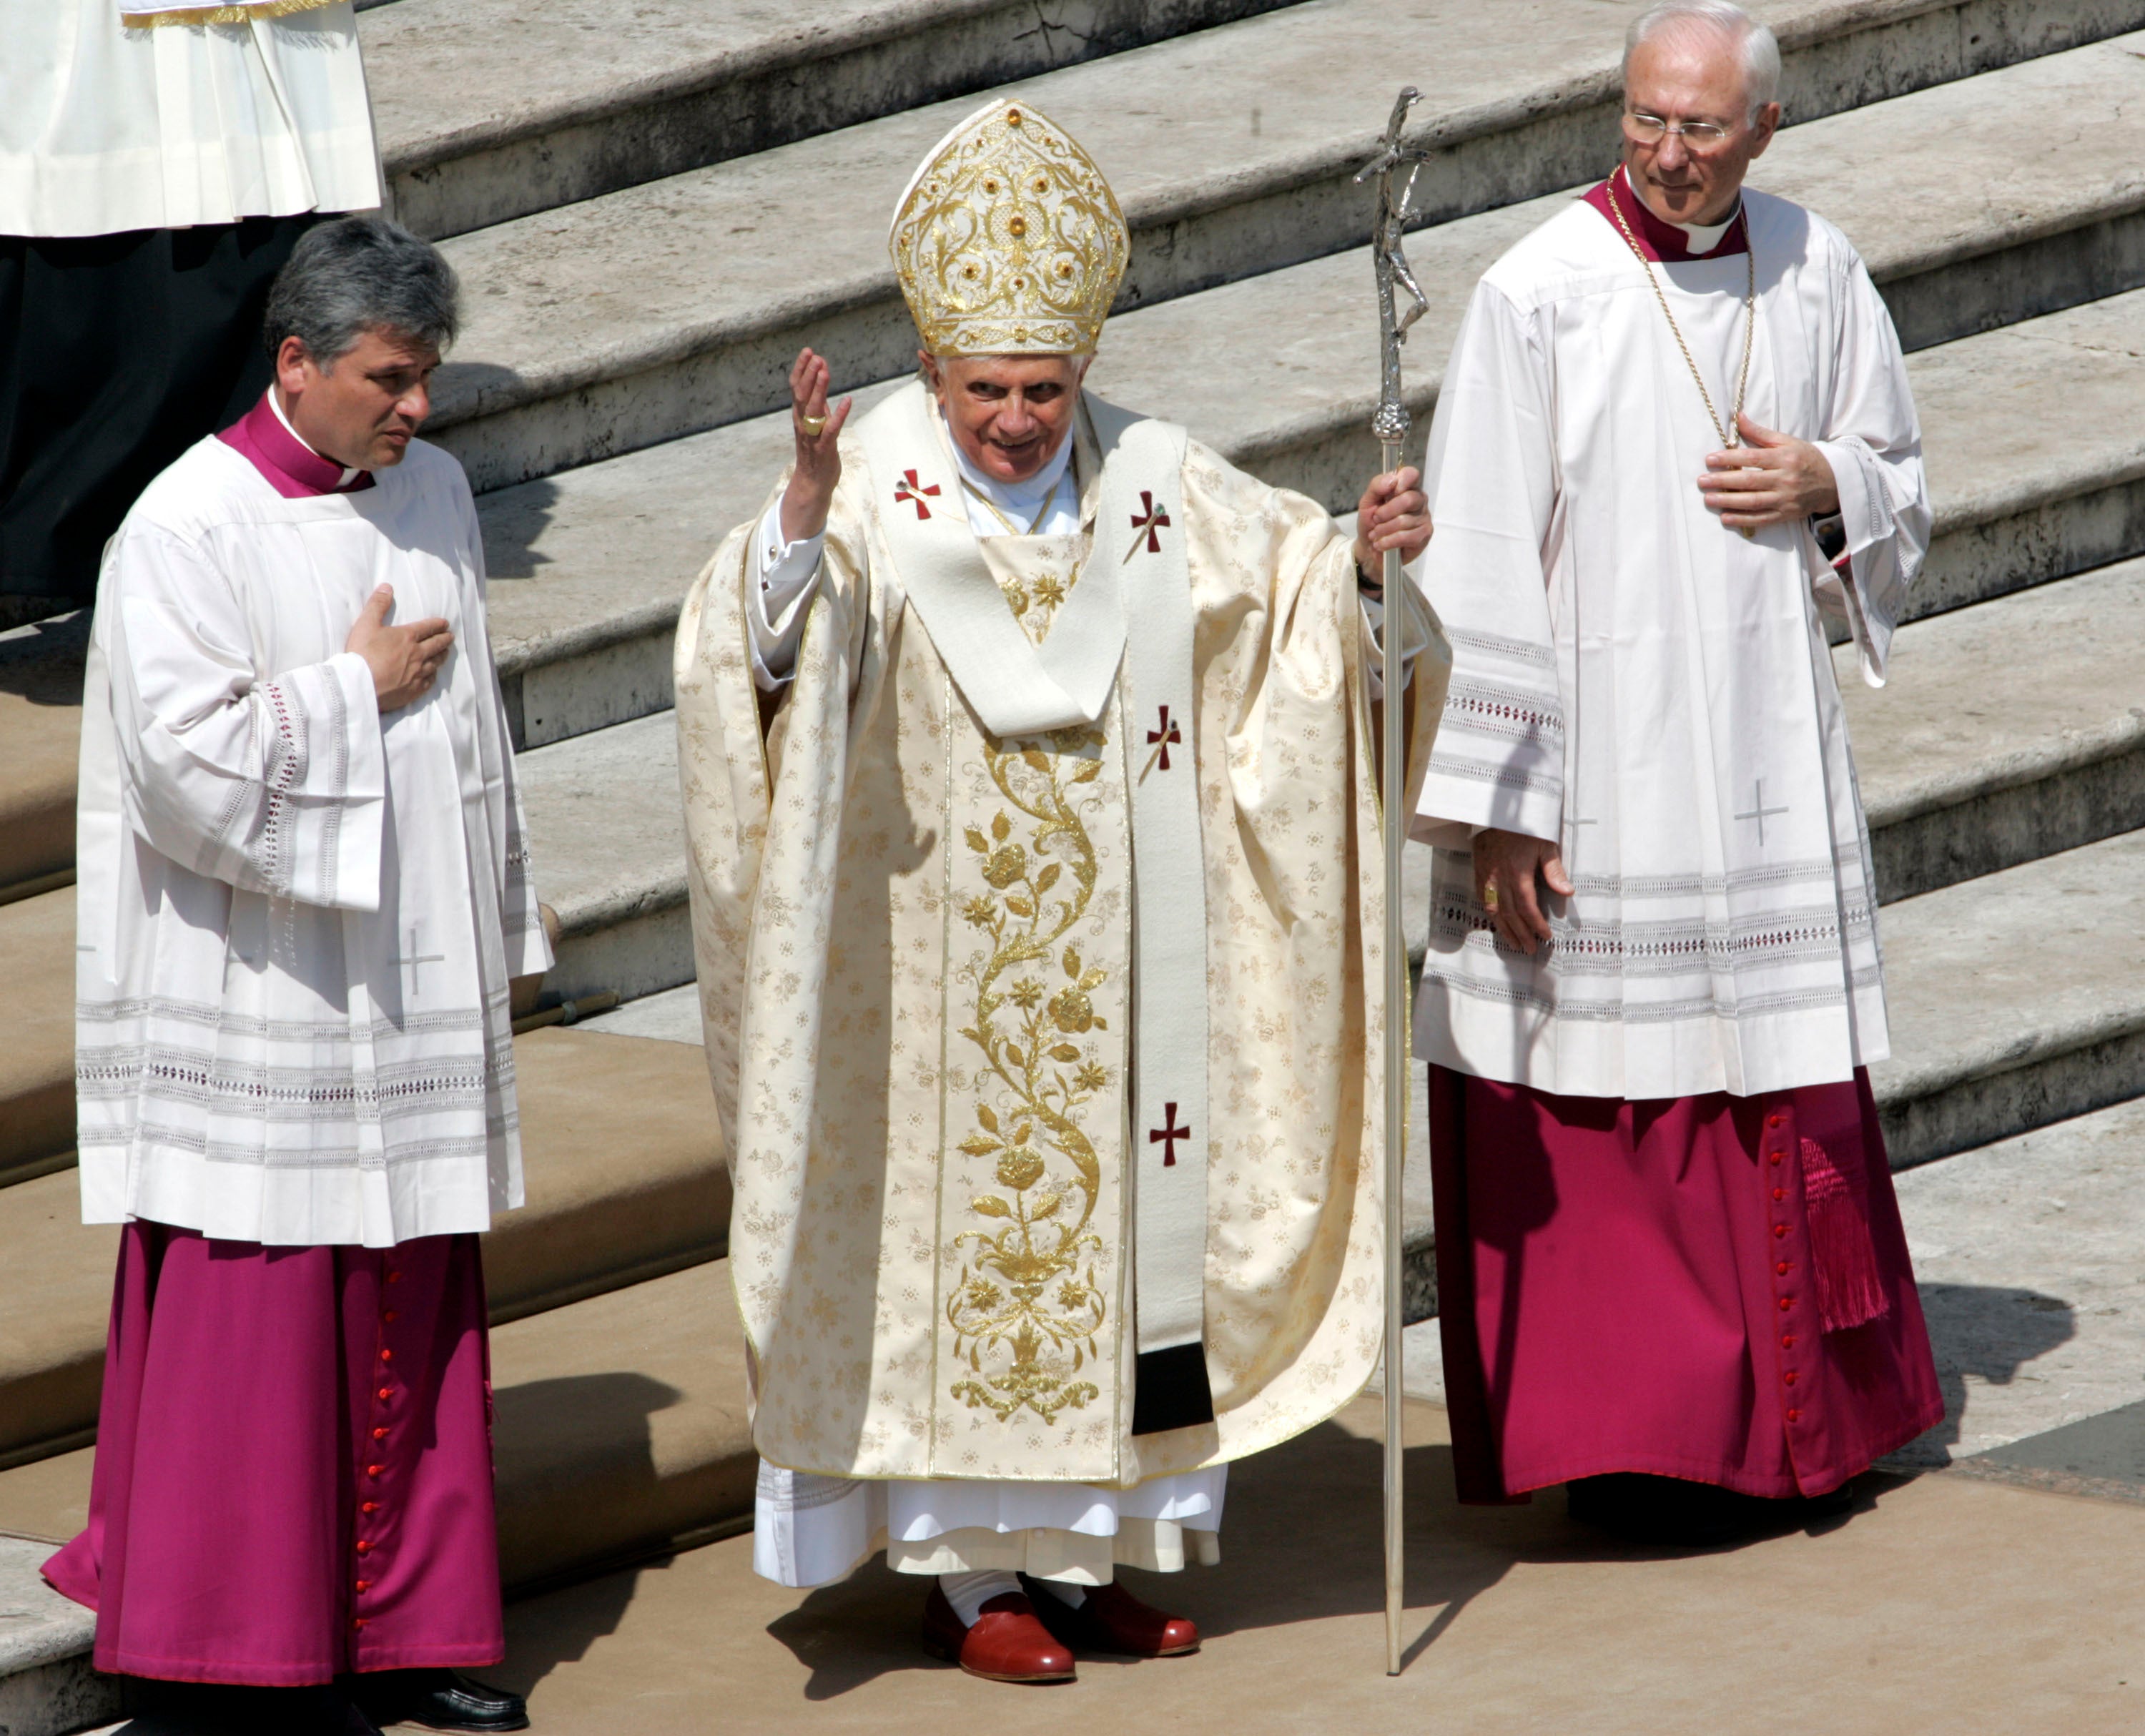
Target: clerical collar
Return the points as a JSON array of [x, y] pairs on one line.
[[1019, 501], [294, 469], [1666, 242]]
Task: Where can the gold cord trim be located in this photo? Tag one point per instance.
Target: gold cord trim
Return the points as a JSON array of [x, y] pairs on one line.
[[224, 14]]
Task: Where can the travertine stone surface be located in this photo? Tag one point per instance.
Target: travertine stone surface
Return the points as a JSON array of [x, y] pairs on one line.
[[646, 314]]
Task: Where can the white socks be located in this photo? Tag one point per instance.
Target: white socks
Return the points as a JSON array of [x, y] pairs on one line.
[[968, 1593]]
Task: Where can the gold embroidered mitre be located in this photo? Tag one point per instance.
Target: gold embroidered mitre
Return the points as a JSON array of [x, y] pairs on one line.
[[1008, 241]]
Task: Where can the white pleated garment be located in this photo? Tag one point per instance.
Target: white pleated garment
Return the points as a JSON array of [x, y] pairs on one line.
[[812, 1531], [104, 128]]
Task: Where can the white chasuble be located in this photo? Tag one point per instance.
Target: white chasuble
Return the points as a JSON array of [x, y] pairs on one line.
[[1649, 690], [919, 967], [297, 917]]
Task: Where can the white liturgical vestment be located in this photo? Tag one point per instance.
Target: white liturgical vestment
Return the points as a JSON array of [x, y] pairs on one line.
[[893, 1414], [1649, 690], [107, 127], [297, 917]]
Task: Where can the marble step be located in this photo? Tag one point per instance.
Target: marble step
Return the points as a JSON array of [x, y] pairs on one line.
[[647, 314], [2009, 731], [625, 1181], [620, 1435], [489, 110], [41, 667], [2017, 999]]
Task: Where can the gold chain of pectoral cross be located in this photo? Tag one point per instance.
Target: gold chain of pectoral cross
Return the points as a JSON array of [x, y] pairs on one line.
[[1728, 433], [1042, 512]]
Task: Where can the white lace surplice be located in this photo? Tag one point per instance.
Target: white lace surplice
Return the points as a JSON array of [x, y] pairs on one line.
[[1650, 689], [297, 919]]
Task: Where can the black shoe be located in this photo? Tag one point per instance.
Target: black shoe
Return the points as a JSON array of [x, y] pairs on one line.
[[438, 1699], [1670, 1511]]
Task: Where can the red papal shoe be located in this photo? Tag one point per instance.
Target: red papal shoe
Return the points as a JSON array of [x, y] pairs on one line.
[[1005, 1644], [1110, 1619]]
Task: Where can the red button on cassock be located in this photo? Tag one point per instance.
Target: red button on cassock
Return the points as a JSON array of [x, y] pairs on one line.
[[365, 1585], [1784, 1268], [1780, 1232], [373, 1470], [1794, 1416], [1787, 1343], [1774, 1121], [380, 1434], [363, 1547], [385, 1394], [1772, 1156], [390, 1316], [387, 1356], [1790, 1377], [1780, 1193], [395, 1277], [1786, 1303], [357, 1621], [374, 1506]]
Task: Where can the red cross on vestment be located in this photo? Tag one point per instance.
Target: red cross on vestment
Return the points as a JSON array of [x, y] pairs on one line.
[[1167, 735], [906, 490], [1167, 1134], [1156, 519]]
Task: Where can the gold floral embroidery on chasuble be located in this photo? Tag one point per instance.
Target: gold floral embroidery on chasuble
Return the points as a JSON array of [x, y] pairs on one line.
[[1033, 1205], [921, 935]]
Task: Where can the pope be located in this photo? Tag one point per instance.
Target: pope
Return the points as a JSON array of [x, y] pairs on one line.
[[1030, 777]]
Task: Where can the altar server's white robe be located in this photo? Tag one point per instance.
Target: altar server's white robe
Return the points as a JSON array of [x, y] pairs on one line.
[[106, 127], [298, 918], [1650, 689]]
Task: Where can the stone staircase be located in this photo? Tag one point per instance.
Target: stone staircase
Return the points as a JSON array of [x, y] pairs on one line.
[[652, 209]]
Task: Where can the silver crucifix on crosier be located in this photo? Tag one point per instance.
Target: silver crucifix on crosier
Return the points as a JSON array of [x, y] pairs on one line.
[[1389, 258]]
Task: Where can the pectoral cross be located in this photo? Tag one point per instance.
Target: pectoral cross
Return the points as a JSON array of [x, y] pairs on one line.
[[1758, 811], [1155, 521], [417, 961], [1167, 1135], [1163, 739], [906, 490]]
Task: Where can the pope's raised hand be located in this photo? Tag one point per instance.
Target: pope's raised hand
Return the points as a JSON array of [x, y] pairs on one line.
[[811, 491], [1393, 513]]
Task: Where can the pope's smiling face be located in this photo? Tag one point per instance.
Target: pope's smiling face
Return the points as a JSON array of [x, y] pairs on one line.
[[1009, 413], [1695, 74]]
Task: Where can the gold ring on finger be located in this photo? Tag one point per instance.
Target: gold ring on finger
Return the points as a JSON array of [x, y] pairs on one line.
[[813, 427], [1490, 896]]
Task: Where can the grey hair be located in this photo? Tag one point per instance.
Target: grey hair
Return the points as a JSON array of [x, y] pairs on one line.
[[359, 274], [1761, 48]]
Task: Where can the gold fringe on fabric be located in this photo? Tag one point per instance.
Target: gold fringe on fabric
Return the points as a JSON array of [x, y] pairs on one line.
[[224, 14]]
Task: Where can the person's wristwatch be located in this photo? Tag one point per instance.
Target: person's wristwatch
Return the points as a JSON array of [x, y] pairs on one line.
[[1373, 588]]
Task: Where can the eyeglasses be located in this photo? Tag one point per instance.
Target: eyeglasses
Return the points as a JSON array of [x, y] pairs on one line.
[[1645, 129]]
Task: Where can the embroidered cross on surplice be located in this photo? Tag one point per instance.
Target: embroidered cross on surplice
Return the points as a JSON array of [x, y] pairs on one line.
[[1758, 811], [417, 961], [1162, 739], [1150, 520], [1166, 1134], [906, 490]]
